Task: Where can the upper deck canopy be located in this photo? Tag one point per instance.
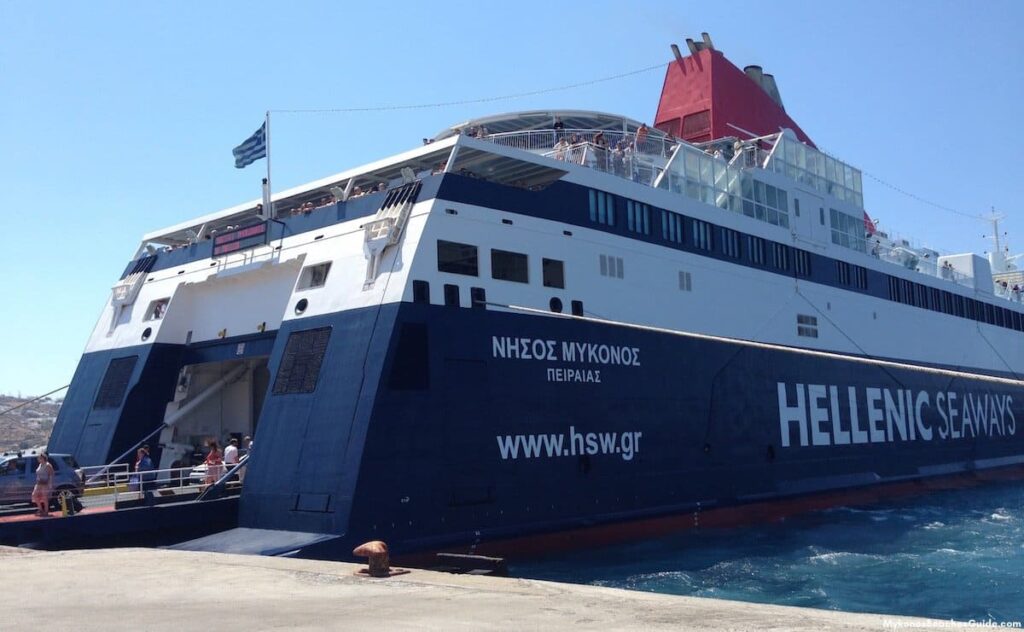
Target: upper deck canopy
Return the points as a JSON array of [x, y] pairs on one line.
[[545, 119]]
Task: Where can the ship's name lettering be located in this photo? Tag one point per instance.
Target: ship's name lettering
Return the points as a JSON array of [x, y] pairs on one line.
[[513, 348], [821, 415]]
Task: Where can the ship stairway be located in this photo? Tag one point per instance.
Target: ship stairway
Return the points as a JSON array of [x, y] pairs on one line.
[[386, 228]]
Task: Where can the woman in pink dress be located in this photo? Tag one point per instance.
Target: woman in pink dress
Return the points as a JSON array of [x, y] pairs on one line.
[[214, 463], [43, 486]]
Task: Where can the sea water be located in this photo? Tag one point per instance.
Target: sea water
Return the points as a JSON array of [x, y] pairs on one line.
[[949, 555]]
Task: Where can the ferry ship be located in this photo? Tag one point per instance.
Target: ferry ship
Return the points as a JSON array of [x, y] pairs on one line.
[[559, 326]]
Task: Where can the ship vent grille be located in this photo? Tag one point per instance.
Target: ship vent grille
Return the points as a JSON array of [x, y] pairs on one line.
[[301, 361], [115, 383]]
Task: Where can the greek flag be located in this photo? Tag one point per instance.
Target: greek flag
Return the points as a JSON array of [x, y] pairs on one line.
[[254, 148]]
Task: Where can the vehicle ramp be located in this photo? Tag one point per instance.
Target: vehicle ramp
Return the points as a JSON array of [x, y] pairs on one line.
[[247, 541]]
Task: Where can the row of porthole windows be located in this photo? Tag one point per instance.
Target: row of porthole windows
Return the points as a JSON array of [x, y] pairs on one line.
[[936, 300], [846, 274]]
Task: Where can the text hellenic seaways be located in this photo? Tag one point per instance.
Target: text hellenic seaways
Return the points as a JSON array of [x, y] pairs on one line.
[[833, 415]]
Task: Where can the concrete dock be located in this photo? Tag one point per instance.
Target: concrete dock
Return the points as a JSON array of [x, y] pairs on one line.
[[151, 589]]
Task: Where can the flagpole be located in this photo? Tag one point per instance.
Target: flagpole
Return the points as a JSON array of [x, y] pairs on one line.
[[268, 203]]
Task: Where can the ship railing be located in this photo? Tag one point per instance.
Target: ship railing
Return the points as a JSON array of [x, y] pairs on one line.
[[119, 484], [543, 141], [1008, 293], [106, 486]]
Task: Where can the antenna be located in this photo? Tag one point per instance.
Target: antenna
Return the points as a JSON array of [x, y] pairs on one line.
[[996, 258]]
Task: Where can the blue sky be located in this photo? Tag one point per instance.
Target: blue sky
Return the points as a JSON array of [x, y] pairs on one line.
[[118, 118]]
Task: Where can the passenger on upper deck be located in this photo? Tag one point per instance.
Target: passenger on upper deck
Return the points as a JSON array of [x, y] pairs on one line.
[[641, 136], [601, 151], [560, 148]]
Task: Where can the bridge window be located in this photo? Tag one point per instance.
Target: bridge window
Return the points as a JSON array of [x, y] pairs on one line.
[[553, 272], [509, 266], [457, 258]]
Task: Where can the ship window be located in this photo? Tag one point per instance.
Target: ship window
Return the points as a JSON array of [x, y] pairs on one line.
[[672, 226], [806, 326], [755, 246], [847, 230], [702, 235], [611, 266], [301, 361], [457, 258], [685, 281], [780, 256], [802, 262], [842, 273], [921, 295], [731, 243], [577, 308], [157, 308], [602, 207], [478, 297], [115, 383], [509, 266], [451, 295], [860, 277], [314, 276], [555, 304], [553, 272], [638, 217], [420, 292], [796, 206]]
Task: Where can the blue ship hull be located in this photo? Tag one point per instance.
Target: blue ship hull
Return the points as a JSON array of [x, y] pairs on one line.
[[435, 427]]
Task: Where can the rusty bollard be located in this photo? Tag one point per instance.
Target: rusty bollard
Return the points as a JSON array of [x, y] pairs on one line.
[[377, 552]]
